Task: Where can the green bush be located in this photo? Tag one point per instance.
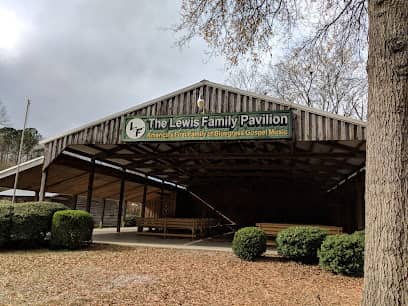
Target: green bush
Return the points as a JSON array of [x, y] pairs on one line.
[[360, 234], [130, 220], [343, 254], [6, 212], [71, 229], [30, 223], [300, 243], [249, 243]]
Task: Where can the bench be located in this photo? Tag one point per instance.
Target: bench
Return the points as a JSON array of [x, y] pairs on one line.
[[272, 229], [197, 226]]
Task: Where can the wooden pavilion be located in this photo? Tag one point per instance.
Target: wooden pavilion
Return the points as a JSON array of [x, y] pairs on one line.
[[315, 175]]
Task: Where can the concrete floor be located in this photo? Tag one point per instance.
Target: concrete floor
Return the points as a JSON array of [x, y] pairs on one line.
[[129, 237]]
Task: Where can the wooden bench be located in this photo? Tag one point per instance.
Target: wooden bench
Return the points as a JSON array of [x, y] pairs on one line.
[[272, 229], [197, 226], [150, 223]]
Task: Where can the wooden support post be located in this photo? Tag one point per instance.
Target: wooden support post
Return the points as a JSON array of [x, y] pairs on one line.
[[36, 196], [124, 212], [163, 208], [163, 204], [143, 210], [350, 220], [43, 185], [74, 201], [103, 213], [90, 186], [121, 197], [360, 202]]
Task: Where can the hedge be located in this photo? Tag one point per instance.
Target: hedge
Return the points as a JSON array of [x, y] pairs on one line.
[[130, 220], [300, 243], [30, 223], [360, 234], [343, 254], [25, 225], [71, 229], [249, 243], [6, 211]]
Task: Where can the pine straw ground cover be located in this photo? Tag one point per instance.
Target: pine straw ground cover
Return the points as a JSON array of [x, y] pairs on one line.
[[116, 275]]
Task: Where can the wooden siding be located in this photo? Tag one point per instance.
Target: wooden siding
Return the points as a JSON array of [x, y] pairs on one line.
[[309, 124], [153, 208], [110, 216]]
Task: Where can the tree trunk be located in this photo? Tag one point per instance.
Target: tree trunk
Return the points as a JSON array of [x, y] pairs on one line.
[[386, 255]]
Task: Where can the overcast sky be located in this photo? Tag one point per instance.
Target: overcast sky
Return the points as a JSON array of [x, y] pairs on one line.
[[81, 60]]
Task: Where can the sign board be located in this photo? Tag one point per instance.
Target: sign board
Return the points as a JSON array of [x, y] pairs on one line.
[[228, 126]]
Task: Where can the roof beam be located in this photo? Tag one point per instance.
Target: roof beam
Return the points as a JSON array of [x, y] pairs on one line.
[[199, 156], [104, 170]]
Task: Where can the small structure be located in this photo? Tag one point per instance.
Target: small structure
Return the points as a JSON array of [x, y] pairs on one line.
[[25, 195], [238, 156]]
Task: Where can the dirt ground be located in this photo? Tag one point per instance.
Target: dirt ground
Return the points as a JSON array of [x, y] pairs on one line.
[[115, 275]]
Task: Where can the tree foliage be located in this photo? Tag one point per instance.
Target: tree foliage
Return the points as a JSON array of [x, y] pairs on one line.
[[10, 143]]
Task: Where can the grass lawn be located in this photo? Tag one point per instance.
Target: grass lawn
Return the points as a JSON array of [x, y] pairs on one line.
[[150, 276]]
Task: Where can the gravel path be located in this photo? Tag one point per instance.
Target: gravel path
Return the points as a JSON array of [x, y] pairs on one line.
[[115, 275]]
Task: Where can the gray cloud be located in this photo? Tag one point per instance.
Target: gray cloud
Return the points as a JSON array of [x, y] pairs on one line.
[[81, 60]]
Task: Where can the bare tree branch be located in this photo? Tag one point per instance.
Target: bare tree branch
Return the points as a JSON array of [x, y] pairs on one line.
[[248, 29], [327, 78]]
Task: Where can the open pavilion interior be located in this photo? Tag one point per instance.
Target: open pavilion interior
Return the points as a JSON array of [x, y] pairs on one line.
[[316, 177]]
